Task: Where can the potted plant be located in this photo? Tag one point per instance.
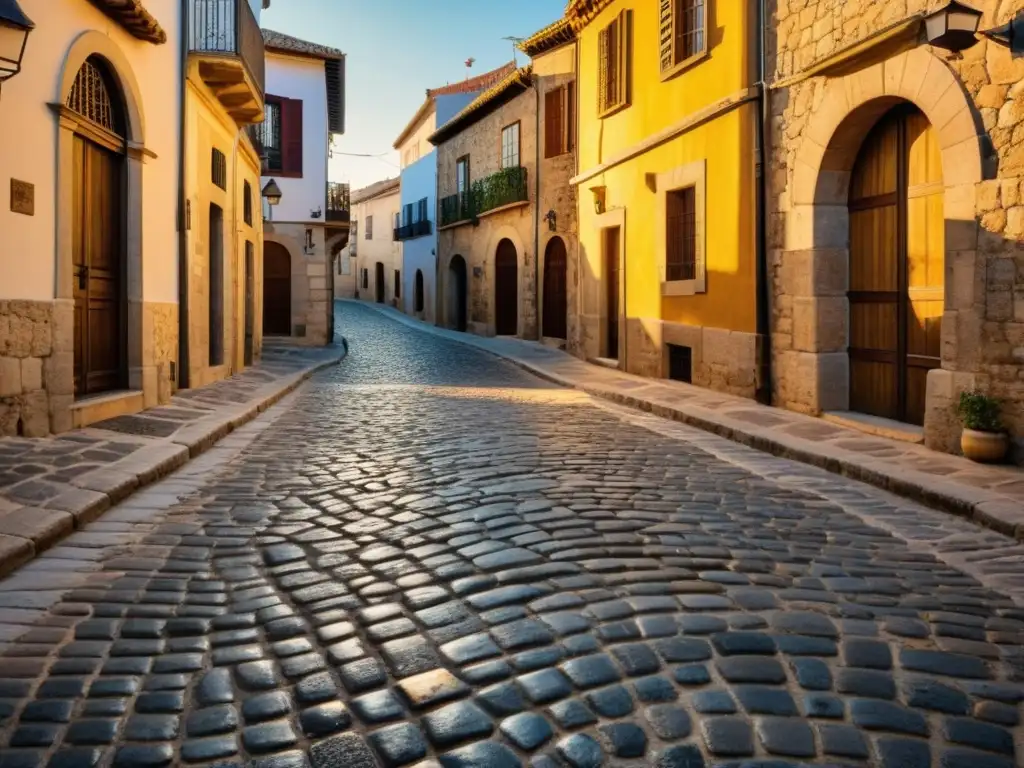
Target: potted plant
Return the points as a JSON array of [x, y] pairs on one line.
[[983, 438]]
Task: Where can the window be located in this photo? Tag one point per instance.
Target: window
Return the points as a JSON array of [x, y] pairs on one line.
[[682, 231], [247, 202], [280, 136], [369, 228], [366, 278], [346, 264], [219, 169], [418, 292], [398, 284], [421, 209], [407, 213], [462, 175], [398, 220], [683, 33], [614, 65], [681, 235], [560, 120], [510, 146]]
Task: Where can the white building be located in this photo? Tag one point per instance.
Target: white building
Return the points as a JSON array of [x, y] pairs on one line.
[[305, 104], [417, 225]]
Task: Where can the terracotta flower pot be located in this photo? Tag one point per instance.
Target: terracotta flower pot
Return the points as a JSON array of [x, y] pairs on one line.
[[984, 446]]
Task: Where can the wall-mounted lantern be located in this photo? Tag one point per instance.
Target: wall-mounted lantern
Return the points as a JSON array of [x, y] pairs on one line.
[[272, 193], [599, 197], [953, 26], [14, 29], [1010, 34], [551, 217]]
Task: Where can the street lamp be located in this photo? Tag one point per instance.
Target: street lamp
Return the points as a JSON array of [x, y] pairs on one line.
[[273, 194], [14, 29], [953, 26]]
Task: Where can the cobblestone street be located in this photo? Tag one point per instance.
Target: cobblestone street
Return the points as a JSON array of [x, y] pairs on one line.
[[426, 554]]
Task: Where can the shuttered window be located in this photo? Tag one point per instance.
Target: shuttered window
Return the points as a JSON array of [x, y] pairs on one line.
[[614, 64], [510, 146], [369, 228], [559, 120], [681, 237], [280, 136], [682, 32], [219, 169]]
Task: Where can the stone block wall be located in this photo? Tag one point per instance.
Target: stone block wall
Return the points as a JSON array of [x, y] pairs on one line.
[[28, 360], [975, 102], [312, 289]]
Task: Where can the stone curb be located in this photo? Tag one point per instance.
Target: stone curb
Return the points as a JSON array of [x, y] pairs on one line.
[[27, 531], [986, 508]]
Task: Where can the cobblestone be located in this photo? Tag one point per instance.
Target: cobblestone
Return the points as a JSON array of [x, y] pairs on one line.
[[426, 557]]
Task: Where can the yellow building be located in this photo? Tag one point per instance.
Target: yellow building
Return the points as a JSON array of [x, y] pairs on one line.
[[668, 117], [220, 290]]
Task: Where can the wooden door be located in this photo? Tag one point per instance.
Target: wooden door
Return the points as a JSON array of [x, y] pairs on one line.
[[555, 290], [97, 255], [458, 298], [378, 282], [896, 266], [277, 290], [250, 302], [506, 290], [611, 286]]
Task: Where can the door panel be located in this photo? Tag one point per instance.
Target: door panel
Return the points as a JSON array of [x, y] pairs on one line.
[[611, 286], [506, 288], [555, 289], [277, 290], [897, 256], [98, 279]]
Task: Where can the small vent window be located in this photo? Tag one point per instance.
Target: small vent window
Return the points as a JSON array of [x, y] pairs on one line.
[[680, 363], [220, 169], [92, 97]]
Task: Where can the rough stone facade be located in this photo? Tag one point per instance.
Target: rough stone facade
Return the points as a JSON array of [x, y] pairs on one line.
[[975, 103], [477, 242], [312, 287]]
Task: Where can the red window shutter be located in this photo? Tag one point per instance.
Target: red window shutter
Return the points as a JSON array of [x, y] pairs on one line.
[[553, 122], [291, 136], [570, 116]]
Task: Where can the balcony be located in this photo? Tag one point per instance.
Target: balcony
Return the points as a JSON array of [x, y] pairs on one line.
[[338, 205], [226, 46], [504, 188], [413, 229]]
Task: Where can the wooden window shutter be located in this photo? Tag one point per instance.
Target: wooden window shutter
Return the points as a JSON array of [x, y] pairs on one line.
[[291, 136], [666, 35], [604, 53], [570, 116], [553, 122], [624, 55]]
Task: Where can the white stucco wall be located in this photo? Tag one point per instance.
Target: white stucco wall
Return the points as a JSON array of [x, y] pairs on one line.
[[295, 77], [28, 149], [382, 247]]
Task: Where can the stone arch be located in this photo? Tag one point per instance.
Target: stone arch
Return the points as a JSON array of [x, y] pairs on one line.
[[142, 373], [814, 374]]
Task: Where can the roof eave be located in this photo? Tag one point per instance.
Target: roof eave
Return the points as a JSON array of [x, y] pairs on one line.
[[474, 113], [411, 126], [134, 17]]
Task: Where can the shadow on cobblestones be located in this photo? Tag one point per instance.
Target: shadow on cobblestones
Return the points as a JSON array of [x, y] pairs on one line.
[[433, 556]]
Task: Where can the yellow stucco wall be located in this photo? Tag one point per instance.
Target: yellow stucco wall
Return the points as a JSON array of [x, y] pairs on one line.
[[725, 144]]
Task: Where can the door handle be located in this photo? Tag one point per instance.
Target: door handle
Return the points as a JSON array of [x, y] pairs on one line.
[[82, 273]]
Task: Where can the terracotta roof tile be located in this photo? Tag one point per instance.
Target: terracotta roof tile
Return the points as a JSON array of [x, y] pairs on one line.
[[278, 41], [521, 77], [376, 189], [478, 83], [552, 36]]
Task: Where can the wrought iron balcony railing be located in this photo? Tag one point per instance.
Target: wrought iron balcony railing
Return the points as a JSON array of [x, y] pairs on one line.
[[227, 30], [505, 187], [338, 204], [413, 229]]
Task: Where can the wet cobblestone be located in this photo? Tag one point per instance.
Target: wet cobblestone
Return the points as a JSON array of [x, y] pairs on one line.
[[430, 558]]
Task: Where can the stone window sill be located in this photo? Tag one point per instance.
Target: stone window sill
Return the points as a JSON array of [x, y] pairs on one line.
[[682, 287]]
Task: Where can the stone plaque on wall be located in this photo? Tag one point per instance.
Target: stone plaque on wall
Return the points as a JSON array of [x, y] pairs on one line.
[[23, 197]]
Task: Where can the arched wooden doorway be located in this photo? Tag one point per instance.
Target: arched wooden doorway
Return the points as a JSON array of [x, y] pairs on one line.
[[555, 291], [277, 290], [506, 289], [458, 293], [896, 266], [378, 282], [98, 231]]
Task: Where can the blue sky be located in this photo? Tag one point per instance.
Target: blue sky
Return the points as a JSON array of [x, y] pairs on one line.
[[396, 50]]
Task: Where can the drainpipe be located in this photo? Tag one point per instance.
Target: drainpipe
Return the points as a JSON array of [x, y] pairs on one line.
[[536, 211], [763, 316], [183, 356]]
